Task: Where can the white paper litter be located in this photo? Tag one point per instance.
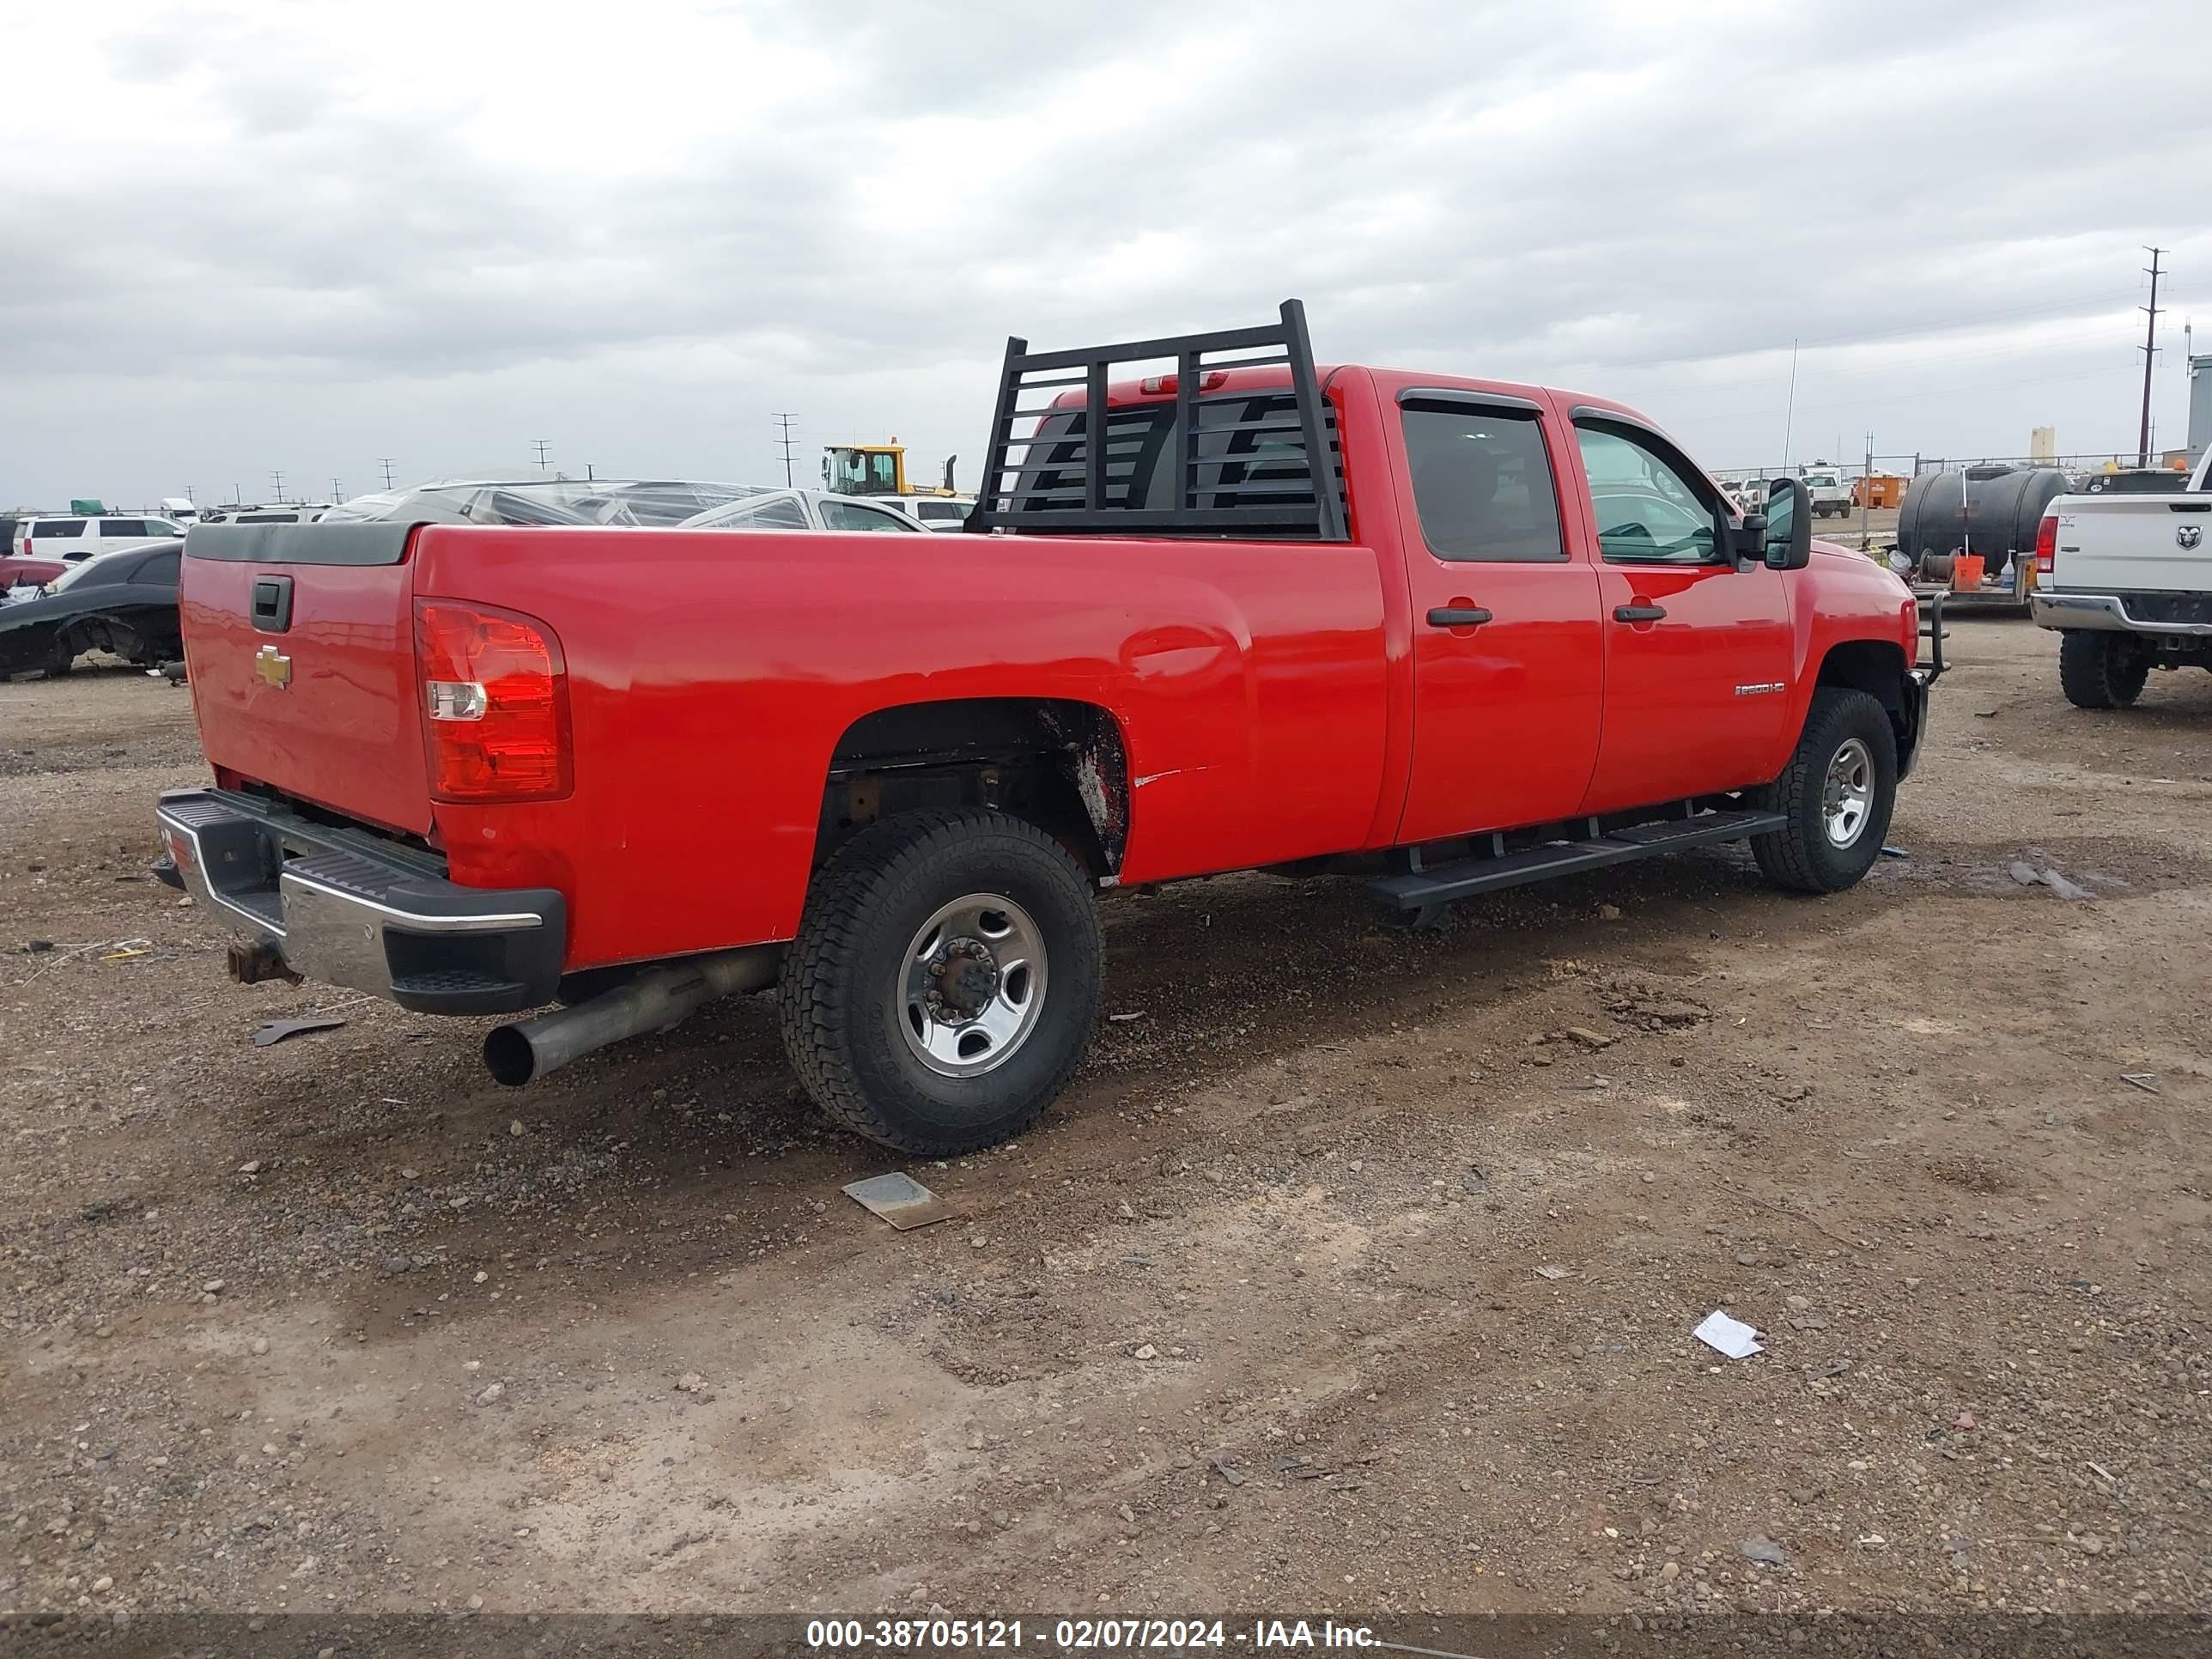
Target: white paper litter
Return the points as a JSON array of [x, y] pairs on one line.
[[1729, 1336]]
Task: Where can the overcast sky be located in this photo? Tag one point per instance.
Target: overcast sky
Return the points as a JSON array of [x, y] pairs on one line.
[[241, 238]]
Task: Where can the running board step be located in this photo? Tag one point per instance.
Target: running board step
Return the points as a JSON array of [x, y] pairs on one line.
[[1422, 889]]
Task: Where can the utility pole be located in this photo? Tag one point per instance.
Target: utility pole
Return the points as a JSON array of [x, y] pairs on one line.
[[276, 475], [783, 419], [541, 444], [1866, 494], [385, 461], [2149, 352], [337, 493]]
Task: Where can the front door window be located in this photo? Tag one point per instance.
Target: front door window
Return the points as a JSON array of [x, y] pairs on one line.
[[1649, 510]]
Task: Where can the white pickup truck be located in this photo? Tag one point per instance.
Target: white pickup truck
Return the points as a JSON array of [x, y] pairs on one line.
[[2127, 581], [1830, 490]]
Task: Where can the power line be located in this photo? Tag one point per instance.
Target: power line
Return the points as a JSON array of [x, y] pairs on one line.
[[541, 444], [783, 419], [2149, 352]]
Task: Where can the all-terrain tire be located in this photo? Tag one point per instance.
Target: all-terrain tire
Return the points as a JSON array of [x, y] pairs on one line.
[[1804, 856], [2101, 670], [842, 997]]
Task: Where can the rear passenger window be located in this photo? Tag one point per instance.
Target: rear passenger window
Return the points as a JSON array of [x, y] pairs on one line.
[[56, 529], [123, 527], [159, 571], [1482, 483]]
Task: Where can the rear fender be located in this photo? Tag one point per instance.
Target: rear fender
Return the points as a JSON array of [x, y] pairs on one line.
[[1060, 763]]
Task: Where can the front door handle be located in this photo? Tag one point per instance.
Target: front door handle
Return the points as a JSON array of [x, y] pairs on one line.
[[1639, 613], [1458, 615]]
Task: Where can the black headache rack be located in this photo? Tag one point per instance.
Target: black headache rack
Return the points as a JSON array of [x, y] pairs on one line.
[[1211, 461]]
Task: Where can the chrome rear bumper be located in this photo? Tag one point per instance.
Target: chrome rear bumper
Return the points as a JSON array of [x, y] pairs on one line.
[[349, 907], [2102, 613]]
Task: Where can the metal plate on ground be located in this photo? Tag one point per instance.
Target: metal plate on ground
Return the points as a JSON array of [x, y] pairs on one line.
[[900, 1199]]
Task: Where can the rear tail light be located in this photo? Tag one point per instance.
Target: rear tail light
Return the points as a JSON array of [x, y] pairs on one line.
[[494, 703], [2046, 544]]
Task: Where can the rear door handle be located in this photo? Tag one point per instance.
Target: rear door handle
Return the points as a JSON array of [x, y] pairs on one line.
[[1458, 615], [1636, 613]]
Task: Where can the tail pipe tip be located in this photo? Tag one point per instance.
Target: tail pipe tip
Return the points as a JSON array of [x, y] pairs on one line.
[[655, 1000]]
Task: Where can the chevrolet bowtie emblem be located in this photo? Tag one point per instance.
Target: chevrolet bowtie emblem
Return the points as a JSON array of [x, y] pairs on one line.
[[273, 665]]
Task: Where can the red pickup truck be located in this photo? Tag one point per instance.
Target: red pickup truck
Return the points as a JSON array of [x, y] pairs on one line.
[[1452, 635]]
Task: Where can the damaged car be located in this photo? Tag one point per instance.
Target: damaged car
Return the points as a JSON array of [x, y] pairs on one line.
[[124, 602]]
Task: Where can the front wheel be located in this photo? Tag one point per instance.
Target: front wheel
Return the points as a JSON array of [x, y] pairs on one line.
[[946, 979], [1837, 792]]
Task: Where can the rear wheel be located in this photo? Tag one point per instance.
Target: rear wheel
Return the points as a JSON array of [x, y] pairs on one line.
[[946, 979], [2101, 670], [1837, 793]]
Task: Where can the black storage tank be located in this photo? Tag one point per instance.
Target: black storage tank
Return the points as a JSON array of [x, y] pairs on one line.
[[1991, 511]]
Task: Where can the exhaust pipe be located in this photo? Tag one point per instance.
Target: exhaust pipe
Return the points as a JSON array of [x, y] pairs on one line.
[[655, 1001]]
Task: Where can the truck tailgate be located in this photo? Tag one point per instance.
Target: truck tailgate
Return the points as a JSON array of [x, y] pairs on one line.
[[2134, 543], [300, 644]]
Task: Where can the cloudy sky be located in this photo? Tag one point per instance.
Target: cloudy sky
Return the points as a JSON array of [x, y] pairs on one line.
[[307, 236]]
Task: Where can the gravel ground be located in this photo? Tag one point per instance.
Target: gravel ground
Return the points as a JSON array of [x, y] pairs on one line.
[[1357, 1270]]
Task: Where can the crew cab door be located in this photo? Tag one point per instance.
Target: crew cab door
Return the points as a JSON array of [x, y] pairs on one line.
[[1697, 650], [1507, 651]]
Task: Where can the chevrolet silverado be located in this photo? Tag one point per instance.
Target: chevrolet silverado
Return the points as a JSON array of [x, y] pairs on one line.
[[1448, 634]]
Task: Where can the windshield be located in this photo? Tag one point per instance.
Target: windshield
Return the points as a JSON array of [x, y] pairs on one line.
[[859, 472], [760, 509], [541, 501]]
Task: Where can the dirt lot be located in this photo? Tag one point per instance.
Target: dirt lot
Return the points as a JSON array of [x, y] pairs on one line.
[[1357, 1271]]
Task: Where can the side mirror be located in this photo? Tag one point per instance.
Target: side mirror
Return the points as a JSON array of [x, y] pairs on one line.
[[1786, 531]]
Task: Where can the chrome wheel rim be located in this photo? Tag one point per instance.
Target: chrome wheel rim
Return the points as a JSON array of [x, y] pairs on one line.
[[972, 986], [1847, 798]]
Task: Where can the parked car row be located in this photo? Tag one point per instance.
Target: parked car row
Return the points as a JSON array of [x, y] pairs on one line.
[[638, 503], [40, 545], [78, 583]]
